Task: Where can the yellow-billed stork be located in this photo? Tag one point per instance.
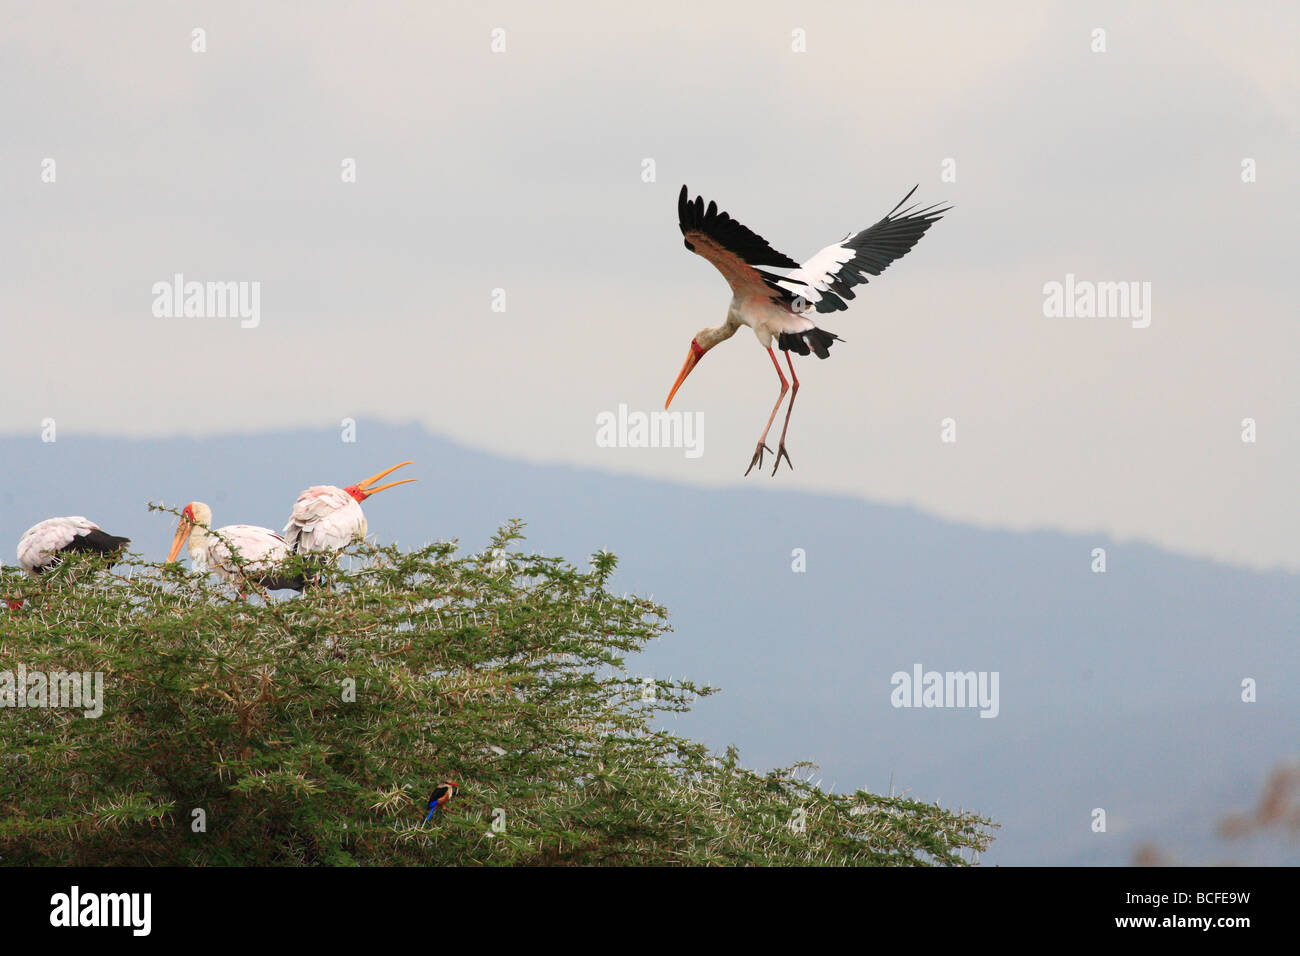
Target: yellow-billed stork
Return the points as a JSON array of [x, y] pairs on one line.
[[41, 544], [261, 549], [327, 518], [776, 306]]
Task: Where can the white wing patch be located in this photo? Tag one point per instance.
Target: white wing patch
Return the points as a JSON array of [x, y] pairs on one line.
[[815, 276]]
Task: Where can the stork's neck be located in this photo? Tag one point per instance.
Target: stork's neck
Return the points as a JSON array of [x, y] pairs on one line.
[[198, 545], [711, 337]]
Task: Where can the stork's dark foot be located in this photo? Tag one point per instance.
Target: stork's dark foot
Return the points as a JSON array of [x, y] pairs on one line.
[[781, 452], [758, 457]]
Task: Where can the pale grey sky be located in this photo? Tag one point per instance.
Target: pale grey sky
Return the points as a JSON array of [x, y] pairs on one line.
[[522, 169]]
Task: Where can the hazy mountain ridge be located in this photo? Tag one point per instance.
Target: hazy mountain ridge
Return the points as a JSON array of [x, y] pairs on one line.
[[1118, 690]]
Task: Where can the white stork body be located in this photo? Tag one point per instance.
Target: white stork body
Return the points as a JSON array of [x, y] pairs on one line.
[[782, 307], [41, 544], [261, 549], [328, 518], [325, 518]]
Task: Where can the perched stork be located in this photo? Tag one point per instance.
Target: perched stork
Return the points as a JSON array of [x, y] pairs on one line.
[[40, 546], [261, 548], [326, 518], [440, 797], [776, 306]]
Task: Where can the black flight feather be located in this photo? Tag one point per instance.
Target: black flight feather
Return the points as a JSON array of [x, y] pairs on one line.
[[737, 239]]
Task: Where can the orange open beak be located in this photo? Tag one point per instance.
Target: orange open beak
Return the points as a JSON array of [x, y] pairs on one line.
[[182, 533], [692, 360], [367, 491]]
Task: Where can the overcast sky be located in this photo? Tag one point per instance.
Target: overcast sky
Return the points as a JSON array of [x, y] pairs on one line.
[[522, 170]]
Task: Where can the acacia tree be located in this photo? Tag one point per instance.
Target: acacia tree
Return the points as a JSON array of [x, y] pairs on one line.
[[311, 730]]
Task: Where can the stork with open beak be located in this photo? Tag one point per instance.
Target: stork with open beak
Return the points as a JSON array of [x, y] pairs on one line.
[[776, 306], [261, 549], [326, 518]]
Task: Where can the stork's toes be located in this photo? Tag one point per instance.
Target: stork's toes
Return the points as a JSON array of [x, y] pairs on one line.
[[780, 452], [758, 457]]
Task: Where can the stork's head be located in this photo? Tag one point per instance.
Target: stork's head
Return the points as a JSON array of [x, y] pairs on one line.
[[702, 342], [362, 490], [194, 513]]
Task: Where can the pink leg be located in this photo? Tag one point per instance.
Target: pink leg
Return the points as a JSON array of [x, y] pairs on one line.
[[762, 446], [794, 392]]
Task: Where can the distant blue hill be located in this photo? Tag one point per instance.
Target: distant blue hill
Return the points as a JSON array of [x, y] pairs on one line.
[[1118, 690]]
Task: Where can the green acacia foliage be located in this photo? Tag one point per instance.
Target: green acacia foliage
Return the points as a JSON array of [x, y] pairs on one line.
[[501, 671]]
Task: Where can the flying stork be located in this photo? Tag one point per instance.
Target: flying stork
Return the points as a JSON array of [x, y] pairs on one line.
[[260, 548], [41, 545], [777, 306], [326, 518]]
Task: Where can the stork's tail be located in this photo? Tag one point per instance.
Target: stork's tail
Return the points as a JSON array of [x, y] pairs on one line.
[[815, 340], [280, 582], [98, 541]]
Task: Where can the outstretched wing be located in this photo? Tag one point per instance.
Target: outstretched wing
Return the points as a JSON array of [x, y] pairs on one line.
[[738, 252], [828, 278]]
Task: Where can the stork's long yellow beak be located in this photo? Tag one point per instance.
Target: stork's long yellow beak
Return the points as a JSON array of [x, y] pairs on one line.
[[182, 533], [367, 491], [692, 359]]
